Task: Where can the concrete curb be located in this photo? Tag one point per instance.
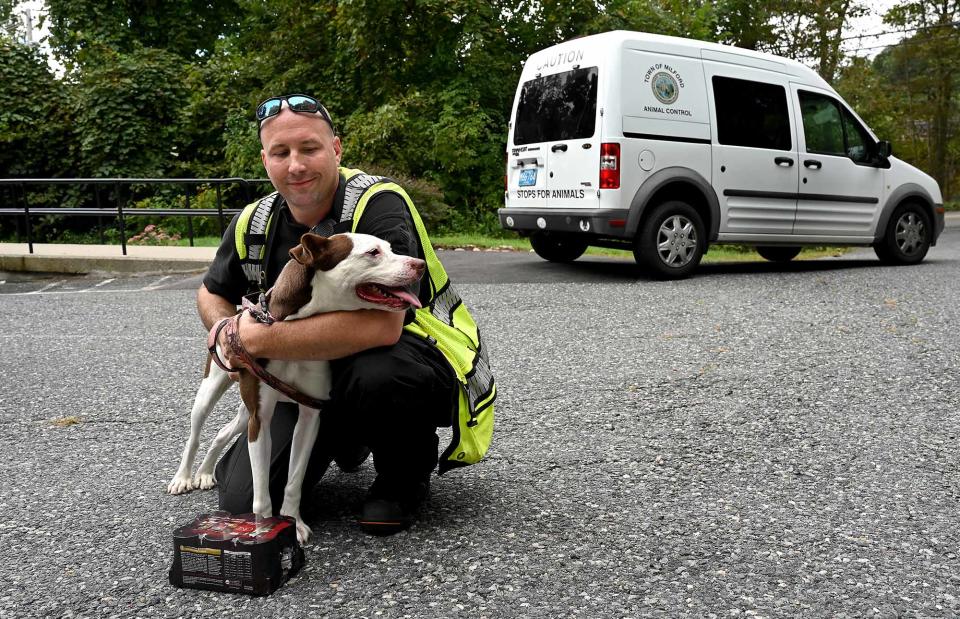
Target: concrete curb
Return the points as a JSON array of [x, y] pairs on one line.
[[79, 259], [61, 264]]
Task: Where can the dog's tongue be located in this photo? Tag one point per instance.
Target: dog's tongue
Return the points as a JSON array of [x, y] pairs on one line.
[[406, 296]]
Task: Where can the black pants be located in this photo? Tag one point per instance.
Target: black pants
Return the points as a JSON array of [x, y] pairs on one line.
[[390, 399]]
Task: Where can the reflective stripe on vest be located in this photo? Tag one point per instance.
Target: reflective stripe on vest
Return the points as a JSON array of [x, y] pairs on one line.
[[250, 238], [444, 320]]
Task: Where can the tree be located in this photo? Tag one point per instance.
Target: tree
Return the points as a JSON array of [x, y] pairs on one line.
[[803, 29], [925, 66], [747, 23], [36, 138], [182, 27], [128, 107]]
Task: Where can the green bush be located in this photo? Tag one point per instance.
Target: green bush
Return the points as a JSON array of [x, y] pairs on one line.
[[173, 197], [426, 196]]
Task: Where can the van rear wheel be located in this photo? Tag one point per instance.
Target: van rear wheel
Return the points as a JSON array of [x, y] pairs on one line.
[[671, 241], [557, 248], [777, 254], [907, 237]]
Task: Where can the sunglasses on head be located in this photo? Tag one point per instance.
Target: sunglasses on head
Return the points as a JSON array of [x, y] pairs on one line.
[[303, 104]]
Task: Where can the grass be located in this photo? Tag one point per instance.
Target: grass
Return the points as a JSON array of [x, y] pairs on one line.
[[199, 241], [717, 253]]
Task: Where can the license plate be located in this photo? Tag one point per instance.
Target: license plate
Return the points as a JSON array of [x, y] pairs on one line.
[[528, 178]]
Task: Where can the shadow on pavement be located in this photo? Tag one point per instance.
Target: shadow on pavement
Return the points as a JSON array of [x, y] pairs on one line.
[[509, 268]]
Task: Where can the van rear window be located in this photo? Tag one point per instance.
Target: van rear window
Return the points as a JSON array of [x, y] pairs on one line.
[[562, 106]]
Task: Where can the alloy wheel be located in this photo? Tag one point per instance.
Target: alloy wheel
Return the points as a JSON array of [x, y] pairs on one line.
[[677, 241], [910, 233]]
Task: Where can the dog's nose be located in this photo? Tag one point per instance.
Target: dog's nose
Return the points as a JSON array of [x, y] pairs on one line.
[[418, 265]]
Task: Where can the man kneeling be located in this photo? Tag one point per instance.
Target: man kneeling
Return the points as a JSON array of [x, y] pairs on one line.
[[397, 377]]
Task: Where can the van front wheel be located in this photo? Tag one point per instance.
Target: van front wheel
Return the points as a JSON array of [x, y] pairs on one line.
[[557, 248], [907, 237], [671, 241]]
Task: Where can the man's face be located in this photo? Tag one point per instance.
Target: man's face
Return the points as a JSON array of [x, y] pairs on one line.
[[301, 156]]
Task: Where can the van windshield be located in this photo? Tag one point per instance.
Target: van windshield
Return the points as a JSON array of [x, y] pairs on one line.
[[562, 106]]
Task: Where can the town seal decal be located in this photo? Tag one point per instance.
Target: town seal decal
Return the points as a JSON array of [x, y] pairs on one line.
[[665, 87]]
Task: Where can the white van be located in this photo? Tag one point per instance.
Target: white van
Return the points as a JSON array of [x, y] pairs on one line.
[[665, 145]]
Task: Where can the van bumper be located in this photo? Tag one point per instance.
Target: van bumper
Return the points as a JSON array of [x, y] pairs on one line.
[[596, 222]]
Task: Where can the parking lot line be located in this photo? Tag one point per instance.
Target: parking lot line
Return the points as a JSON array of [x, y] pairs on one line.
[[157, 283], [47, 287]]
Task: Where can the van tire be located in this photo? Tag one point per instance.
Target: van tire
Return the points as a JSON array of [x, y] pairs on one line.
[[557, 248], [776, 253], [679, 228], [907, 237]]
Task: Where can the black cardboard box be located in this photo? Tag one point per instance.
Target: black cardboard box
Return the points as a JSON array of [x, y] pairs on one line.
[[236, 553]]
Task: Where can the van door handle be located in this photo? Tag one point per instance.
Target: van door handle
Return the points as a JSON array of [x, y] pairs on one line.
[[784, 161], [557, 147], [812, 163]]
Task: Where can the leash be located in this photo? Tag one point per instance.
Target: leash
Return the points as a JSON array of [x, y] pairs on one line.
[[232, 327]]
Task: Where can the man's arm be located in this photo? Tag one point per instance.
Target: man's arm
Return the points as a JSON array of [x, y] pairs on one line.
[[321, 337], [213, 307]]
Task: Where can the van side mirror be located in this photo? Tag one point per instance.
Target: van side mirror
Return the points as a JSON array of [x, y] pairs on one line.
[[884, 149]]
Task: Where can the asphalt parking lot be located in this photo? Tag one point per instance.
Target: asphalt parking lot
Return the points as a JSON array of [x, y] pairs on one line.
[[755, 441]]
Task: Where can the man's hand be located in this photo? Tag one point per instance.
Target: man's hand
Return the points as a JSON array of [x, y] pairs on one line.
[[213, 308], [228, 355], [227, 352]]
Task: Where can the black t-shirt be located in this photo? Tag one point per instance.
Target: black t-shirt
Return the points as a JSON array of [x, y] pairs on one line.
[[385, 216]]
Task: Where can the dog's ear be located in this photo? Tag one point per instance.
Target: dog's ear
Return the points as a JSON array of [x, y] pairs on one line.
[[298, 253], [310, 247], [334, 251]]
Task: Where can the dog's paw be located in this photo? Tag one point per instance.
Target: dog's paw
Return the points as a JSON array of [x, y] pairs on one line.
[[180, 484], [204, 481], [303, 531]]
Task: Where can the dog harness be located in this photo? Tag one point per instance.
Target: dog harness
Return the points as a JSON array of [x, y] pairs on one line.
[[444, 320]]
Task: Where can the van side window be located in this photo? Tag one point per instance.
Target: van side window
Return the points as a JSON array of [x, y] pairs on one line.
[[860, 146], [822, 124], [562, 106], [830, 129], [751, 114]]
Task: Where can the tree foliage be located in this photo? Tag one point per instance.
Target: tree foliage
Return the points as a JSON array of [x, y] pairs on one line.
[[36, 134], [183, 27], [128, 113], [926, 68]]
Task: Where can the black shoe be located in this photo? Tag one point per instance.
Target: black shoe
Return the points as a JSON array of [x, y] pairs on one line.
[[391, 506], [350, 460]]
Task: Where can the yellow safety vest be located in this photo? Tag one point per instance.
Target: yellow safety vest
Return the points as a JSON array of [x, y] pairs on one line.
[[444, 319]]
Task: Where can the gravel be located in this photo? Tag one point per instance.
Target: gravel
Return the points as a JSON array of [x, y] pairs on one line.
[[754, 441]]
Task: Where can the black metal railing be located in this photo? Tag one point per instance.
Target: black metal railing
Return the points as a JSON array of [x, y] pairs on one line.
[[120, 210]]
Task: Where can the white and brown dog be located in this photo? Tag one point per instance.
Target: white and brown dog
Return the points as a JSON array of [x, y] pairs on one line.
[[343, 272]]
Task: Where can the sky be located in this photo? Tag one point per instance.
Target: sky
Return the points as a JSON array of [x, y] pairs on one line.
[[870, 24]]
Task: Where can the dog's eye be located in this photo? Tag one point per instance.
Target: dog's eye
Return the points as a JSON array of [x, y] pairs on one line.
[[374, 252]]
